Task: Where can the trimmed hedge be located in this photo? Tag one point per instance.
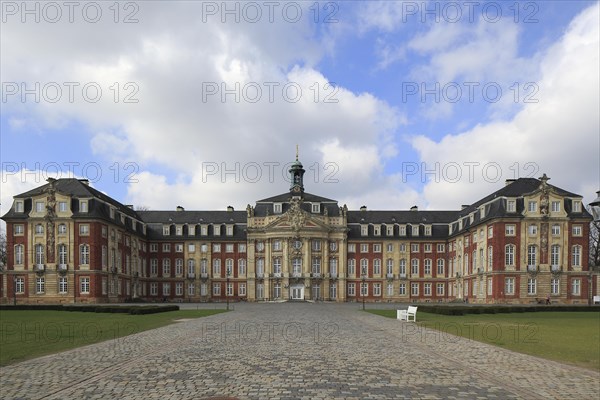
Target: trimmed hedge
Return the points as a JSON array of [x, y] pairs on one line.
[[133, 310], [497, 309]]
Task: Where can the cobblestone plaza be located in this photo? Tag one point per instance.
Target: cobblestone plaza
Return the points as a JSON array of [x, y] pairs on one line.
[[294, 351]]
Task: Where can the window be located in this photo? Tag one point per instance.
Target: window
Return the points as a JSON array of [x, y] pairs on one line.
[[576, 287], [191, 266], [389, 230], [364, 266], [576, 256], [351, 266], [40, 285], [509, 230], [191, 289], [19, 206], [19, 254], [316, 245], [204, 230], [364, 289], [364, 248], [18, 229], [532, 206], [555, 286], [217, 230], [555, 206], [83, 206], [441, 248], [166, 289], [216, 248], [531, 286], [390, 247], [351, 289], [576, 206], [217, 266], [377, 266], [62, 229], [577, 230], [403, 267], [556, 230], [277, 245], [402, 289], [427, 247], [427, 266], [153, 247], [490, 258], [333, 291], [166, 247], [333, 266], [364, 230], [414, 247], [316, 208], [297, 266], [39, 254], [277, 265], [277, 208], [402, 230], [166, 266], [439, 289], [179, 289], [428, 230], [377, 230], [511, 206], [191, 248], [427, 289], [39, 206], [154, 266], [509, 286], [555, 255], [377, 289], [229, 230], [532, 229], [414, 289], [179, 266], [242, 289], [242, 247], [440, 267], [531, 255], [39, 229], [229, 266], [178, 247], [154, 289], [84, 285], [229, 248], [389, 267], [20, 285], [509, 255], [84, 254], [242, 266], [351, 248], [62, 285], [377, 248], [415, 231], [414, 266]]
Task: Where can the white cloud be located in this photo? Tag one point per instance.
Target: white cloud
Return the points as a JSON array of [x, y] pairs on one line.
[[562, 128]]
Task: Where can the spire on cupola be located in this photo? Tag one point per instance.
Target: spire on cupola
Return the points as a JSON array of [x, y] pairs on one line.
[[297, 176]]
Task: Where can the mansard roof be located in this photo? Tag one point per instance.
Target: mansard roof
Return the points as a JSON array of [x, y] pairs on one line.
[[266, 206], [286, 197]]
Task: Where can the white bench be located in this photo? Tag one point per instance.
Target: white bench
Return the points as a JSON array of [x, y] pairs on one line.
[[405, 315]]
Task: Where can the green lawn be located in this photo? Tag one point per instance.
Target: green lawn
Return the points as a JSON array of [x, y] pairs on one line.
[[570, 337], [29, 334]]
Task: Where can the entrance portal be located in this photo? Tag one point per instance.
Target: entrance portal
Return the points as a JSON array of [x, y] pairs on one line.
[[297, 292]]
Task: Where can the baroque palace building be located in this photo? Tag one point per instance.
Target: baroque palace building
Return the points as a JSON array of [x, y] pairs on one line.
[[68, 242]]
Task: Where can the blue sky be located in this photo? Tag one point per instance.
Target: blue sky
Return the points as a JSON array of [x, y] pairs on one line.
[[391, 103]]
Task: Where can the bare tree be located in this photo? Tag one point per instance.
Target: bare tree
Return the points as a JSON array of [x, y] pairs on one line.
[[595, 244], [3, 258]]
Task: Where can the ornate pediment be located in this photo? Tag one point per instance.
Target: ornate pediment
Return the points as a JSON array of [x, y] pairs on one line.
[[296, 219]]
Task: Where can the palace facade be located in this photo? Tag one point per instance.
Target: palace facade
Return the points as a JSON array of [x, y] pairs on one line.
[[68, 242]]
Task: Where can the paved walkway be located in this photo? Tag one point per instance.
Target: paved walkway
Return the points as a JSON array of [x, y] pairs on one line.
[[294, 351]]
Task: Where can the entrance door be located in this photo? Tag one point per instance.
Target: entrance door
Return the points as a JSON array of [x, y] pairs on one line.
[[297, 292]]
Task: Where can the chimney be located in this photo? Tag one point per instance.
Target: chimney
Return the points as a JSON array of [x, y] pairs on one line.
[[464, 206], [85, 182], [179, 208], [509, 181], [414, 208], [363, 208], [229, 209]]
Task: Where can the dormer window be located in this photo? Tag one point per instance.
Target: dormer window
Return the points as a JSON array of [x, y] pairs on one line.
[[428, 230], [402, 230], [532, 206], [62, 206], [217, 230], [229, 230], [112, 213], [39, 206], [83, 206], [415, 230], [277, 208], [511, 206], [166, 230], [179, 230], [390, 230], [364, 230], [377, 230], [576, 206], [316, 208]]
